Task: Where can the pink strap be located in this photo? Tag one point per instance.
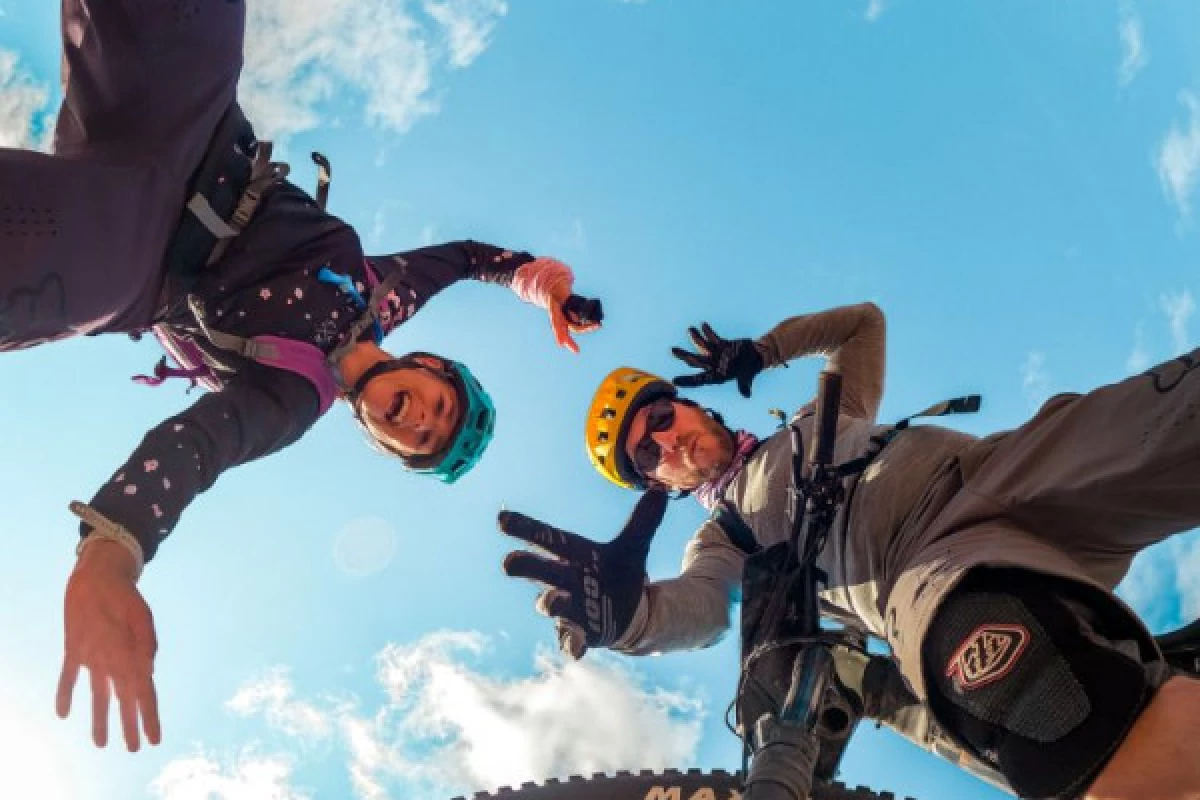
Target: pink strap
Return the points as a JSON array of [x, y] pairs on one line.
[[188, 356], [306, 360]]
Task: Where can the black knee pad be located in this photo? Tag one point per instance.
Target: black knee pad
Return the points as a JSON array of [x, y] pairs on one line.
[[1039, 677]]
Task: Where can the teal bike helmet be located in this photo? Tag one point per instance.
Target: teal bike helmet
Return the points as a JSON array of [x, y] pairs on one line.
[[476, 422]]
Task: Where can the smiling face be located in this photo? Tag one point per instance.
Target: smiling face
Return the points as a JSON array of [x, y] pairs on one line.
[[684, 444], [412, 411]]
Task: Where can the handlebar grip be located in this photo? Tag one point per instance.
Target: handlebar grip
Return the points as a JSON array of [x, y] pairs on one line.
[[583, 310], [829, 398], [783, 763]]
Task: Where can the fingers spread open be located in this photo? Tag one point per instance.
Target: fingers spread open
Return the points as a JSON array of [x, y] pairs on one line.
[[645, 518], [537, 533], [689, 358], [523, 564], [698, 339], [66, 685], [554, 603], [571, 638], [100, 697], [127, 708], [147, 700], [562, 330], [691, 381]]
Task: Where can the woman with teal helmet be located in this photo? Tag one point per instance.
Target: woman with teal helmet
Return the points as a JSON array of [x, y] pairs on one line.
[[180, 222], [468, 436]]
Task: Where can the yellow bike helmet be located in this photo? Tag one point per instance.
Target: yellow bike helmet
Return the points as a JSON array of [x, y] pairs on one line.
[[621, 394]]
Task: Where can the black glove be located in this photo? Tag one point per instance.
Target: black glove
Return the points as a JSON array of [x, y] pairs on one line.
[[719, 360], [593, 589], [582, 311], [874, 683]]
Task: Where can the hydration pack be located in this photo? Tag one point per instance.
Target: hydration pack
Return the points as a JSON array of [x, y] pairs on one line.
[[223, 195]]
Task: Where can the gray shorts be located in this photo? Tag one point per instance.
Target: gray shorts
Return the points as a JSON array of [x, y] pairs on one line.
[[83, 231], [1077, 491]]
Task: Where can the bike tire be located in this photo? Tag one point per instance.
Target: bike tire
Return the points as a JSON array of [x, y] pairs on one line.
[[693, 784]]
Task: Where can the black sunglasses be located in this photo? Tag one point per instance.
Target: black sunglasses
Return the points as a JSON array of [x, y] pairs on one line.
[[659, 417]]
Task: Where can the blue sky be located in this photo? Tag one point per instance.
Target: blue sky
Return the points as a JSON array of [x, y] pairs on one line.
[[1014, 184]]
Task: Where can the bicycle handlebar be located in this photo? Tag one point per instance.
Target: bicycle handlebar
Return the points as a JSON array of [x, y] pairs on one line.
[[829, 398]]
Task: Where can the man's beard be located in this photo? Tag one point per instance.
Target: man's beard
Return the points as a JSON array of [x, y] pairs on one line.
[[718, 436]]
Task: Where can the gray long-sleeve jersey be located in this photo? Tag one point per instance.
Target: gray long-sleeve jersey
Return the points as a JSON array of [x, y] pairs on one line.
[[692, 610], [868, 542]]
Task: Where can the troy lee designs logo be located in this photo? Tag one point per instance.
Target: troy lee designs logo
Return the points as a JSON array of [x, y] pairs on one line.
[[987, 655]]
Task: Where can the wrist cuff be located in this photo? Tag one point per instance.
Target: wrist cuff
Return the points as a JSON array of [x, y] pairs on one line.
[[538, 281], [104, 528]]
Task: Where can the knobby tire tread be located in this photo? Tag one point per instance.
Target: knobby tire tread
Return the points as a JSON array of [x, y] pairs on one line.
[[667, 785]]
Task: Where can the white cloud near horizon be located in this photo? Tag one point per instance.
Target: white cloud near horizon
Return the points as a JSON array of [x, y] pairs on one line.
[[21, 100], [250, 776], [447, 726], [1179, 157], [875, 9], [376, 52], [1179, 307], [1134, 55]]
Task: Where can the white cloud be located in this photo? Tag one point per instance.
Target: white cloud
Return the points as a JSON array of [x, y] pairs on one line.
[[298, 55], [1142, 586], [1139, 358], [466, 25], [446, 727], [271, 696], [250, 777], [875, 9], [1187, 577], [21, 100], [1163, 586], [1134, 56], [1179, 156], [569, 717], [428, 235], [1179, 308], [1035, 380]]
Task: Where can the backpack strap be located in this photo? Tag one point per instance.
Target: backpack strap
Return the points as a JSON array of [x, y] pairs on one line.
[[222, 196], [324, 177], [727, 516], [187, 355], [264, 173], [967, 404], [303, 358], [370, 309]]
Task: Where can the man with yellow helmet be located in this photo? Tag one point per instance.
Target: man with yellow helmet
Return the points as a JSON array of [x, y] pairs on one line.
[[986, 564]]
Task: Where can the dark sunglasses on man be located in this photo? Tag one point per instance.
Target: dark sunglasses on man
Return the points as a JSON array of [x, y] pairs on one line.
[[659, 417]]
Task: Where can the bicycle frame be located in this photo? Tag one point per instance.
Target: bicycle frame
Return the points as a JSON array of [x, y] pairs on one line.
[[804, 739]]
